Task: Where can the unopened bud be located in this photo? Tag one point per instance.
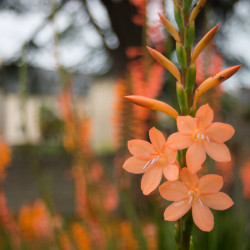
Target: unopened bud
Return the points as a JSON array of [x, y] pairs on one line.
[[181, 55], [191, 77], [189, 35], [182, 98]]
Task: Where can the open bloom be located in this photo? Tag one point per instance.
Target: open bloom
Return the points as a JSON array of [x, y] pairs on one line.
[[153, 160], [201, 136], [198, 194]]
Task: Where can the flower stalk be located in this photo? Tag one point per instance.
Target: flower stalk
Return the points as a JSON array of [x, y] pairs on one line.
[[197, 135]]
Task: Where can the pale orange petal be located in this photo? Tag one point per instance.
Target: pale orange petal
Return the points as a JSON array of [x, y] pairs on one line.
[[134, 166], [171, 172], [170, 154], [179, 141], [210, 183], [189, 179], [218, 151], [141, 148], [176, 210], [218, 201], [157, 138], [151, 179], [205, 115], [195, 157], [219, 132], [186, 124], [202, 216], [173, 191]]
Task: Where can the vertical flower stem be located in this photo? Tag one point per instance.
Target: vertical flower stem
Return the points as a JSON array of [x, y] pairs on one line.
[[183, 227]]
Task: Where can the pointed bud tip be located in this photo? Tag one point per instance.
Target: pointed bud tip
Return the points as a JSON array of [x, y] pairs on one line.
[[148, 48], [236, 68]]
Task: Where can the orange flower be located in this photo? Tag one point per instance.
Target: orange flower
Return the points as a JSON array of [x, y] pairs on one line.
[[153, 160], [201, 136], [198, 194]]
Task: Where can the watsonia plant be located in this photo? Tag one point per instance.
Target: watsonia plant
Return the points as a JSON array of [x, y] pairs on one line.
[[179, 159]]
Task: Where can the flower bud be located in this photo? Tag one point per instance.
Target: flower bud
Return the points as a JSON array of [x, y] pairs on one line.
[[178, 16], [214, 81], [182, 98], [165, 63], [181, 55], [189, 35], [203, 43], [197, 9], [153, 104], [171, 29], [191, 77]]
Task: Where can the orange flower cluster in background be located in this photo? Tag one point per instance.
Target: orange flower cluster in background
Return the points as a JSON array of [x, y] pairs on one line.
[[36, 222]]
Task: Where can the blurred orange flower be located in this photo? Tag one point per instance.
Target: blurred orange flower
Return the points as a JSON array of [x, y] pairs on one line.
[[5, 157], [153, 160], [245, 176], [36, 222], [198, 194], [80, 237], [201, 136]]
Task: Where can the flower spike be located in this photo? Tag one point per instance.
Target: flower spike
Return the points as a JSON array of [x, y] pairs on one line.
[[169, 26], [213, 81], [196, 10], [165, 63], [153, 104], [203, 43]]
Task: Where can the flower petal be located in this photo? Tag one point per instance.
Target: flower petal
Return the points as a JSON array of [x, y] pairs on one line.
[[218, 151], [210, 183], [219, 132], [173, 191], [202, 216], [218, 201], [205, 115], [186, 124], [189, 179], [176, 210], [195, 157], [141, 148], [134, 166], [171, 172], [157, 138], [179, 141], [151, 179], [170, 154]]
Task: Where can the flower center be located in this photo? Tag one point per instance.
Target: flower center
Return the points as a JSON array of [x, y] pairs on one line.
[[194, 194], [200, 135], [151, 162]]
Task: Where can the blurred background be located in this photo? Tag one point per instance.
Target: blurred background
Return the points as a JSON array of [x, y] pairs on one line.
[[65, 66]]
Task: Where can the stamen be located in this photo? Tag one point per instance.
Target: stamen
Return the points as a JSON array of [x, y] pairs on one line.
[[198, 136], [190, 200], [157, 158], [207, 138], [190, 192], [202, 137], [153, 161], [146, 165], [200, 202]]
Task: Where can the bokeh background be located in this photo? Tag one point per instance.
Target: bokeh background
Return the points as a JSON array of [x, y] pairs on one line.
[[65, 66]]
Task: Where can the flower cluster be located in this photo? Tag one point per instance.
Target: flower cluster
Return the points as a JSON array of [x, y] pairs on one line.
[[158, 158], [180, 158]]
